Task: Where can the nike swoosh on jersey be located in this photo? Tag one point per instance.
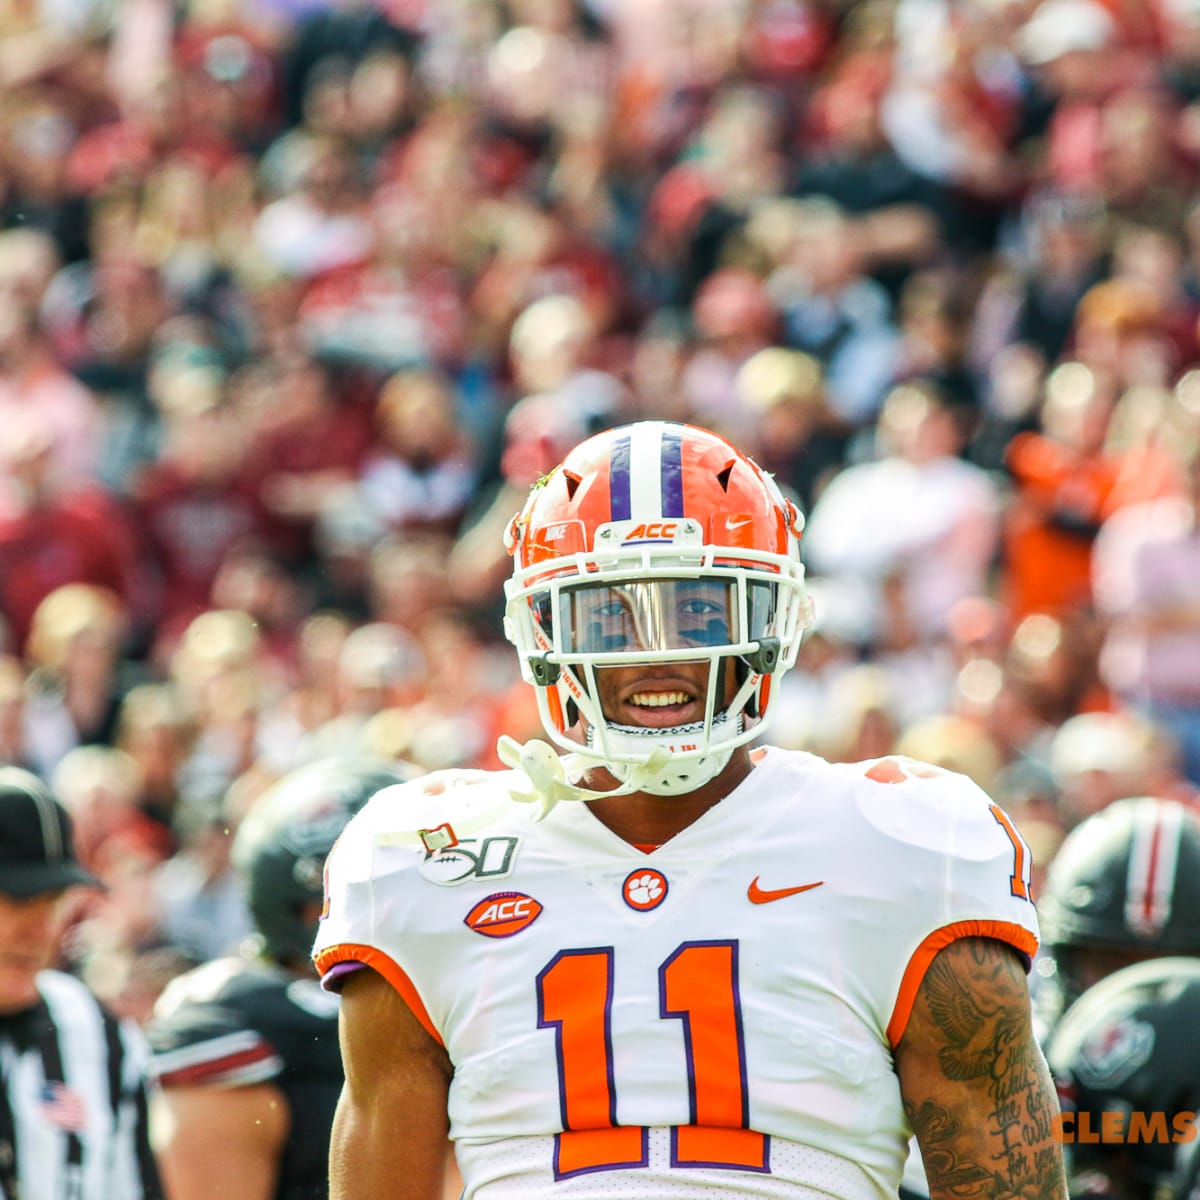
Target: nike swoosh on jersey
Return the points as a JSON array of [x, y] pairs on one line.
[[759, 895]]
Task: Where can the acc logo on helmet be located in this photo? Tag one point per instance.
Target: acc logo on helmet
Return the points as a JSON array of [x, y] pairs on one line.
[[652, 531]]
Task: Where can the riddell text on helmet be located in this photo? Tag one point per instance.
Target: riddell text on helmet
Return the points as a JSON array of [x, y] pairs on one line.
[[1117, 1126]]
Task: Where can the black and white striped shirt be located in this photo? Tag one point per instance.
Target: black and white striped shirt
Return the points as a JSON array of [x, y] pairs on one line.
[[73, 1105]]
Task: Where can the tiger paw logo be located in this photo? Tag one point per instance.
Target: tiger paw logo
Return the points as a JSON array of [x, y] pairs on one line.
[[502, 914], [644, 889]]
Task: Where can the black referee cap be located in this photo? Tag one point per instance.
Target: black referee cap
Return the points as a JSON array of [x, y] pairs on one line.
[[36, 854]]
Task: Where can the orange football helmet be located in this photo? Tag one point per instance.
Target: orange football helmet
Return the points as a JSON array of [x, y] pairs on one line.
[[652, 543]]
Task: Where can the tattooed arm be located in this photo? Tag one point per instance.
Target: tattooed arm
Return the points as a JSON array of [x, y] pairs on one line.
[[975, 1086]]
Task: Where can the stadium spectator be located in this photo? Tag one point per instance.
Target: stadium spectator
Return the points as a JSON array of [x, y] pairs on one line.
[[100, 787], [1063, 482], [1145, 563], [833, 310], [937, 542], [57, 533], [194, 503], [1099, 757], [1033, 292], [734, 317], [419, 474], [76, 651], [794, 433]]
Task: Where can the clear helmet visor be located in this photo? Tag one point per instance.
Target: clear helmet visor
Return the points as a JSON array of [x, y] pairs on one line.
[[656, 615]]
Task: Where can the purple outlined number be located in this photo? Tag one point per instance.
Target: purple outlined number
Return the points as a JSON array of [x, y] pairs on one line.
[[698, 985], [1020, 882], [574, 993]]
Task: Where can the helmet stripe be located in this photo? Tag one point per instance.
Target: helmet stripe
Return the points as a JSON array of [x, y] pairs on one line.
[[1153, 856], [618, 480], [646, 471], [672, 473]]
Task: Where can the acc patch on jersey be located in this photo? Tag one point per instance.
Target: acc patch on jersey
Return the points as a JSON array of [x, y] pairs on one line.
[[471, 858], [502, 914]]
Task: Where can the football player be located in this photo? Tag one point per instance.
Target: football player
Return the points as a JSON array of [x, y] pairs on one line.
[[1127, 1063], [245, 1048], [657, 963], [1123, 887]]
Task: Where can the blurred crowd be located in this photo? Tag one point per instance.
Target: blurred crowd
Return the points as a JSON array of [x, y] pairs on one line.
[[297, 299]]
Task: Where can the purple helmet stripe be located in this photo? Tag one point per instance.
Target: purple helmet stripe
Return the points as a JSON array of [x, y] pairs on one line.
[[672, 473], [618, 480]]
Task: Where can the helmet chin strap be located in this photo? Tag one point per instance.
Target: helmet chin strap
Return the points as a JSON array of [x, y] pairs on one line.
[[676, 776], [547, 774], [655, 774]]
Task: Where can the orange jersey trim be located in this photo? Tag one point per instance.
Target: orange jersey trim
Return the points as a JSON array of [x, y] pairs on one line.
[[368, 956], [1014, 935]]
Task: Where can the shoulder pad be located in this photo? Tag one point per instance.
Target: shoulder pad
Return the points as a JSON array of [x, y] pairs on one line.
[[923, 805], [432, 812]]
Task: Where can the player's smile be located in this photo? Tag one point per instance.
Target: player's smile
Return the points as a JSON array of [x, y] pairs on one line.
[[654, 697]]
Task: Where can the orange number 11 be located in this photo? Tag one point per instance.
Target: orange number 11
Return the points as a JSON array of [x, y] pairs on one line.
[[1021, 880], [697, 986]]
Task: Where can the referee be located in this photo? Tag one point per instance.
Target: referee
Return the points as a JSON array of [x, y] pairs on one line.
[[72, 1092]]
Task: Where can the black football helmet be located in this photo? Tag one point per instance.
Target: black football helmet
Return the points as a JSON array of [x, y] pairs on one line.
[[1124, 886], [1126, 1060], [282, 841]]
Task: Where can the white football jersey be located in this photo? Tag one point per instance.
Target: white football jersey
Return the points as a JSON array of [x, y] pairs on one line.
[[718, 1015]]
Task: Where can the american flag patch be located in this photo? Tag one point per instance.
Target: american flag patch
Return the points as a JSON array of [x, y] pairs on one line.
[[63, 1106]]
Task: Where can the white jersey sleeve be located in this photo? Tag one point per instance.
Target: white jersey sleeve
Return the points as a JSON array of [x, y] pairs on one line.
[[955, 865], [367, 898]]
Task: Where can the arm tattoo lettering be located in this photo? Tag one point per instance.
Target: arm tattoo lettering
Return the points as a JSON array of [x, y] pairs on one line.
[[974, 1003]]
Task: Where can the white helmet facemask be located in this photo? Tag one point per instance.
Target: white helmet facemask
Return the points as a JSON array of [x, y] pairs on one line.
[[726, 617]]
